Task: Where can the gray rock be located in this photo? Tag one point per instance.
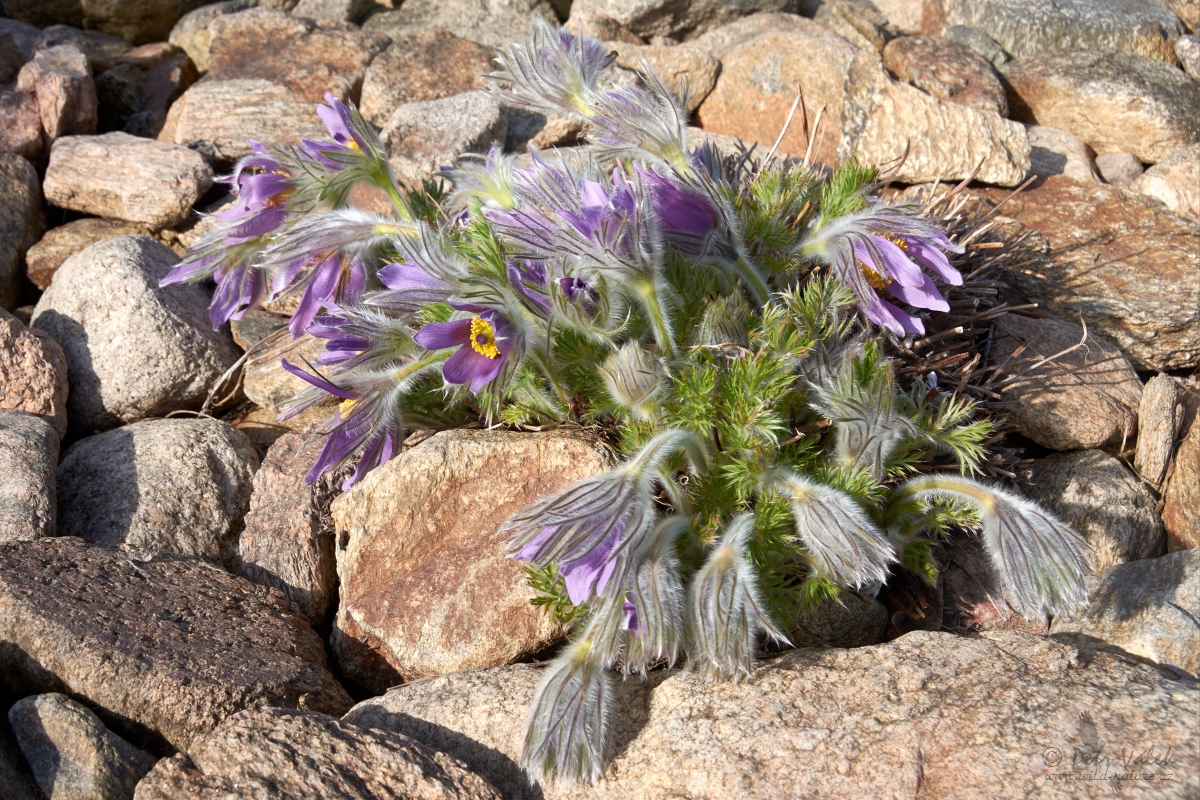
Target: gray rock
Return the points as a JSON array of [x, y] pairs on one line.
[[848, 622], [494, 23], [59, 244], [125, 177], [134, 349], [11, 59], [102, 51], [25, 35], [1187, 50], [904, 15], [20, 124], [1175, 182], [1148, 609], [1159, 418], [21, 221], [333, 10], [72, 754], [650, 18], [1096, 495], [28, 456], [1055, 152], [1114, 101], [978, 41], [162, 650], [1035, 28], [423, 137], [119, 93], [218, 118], [33, 373], [191, 31], [1119, 169], [1181, 495], [958, 715], [180, 486], [946, 69], [61, 77], [298, 754]]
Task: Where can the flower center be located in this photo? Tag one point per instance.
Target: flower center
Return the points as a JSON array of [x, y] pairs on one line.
[[345, 407], [483, 338], [876, 280]]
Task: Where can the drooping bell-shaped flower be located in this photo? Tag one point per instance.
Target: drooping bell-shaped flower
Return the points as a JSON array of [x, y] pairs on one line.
[[654, 605]]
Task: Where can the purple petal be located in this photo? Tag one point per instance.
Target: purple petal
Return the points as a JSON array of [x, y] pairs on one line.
[[440, 335], [320, 383], [907, 322], [896, 265], [403, 277], [468, 366], [319, 291], [924, 296], [933, 259]]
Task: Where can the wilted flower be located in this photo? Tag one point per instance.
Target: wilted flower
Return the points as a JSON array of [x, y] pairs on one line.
[[484, 342], [726, 610], [844, 546], [886, 247], [1042, 563]]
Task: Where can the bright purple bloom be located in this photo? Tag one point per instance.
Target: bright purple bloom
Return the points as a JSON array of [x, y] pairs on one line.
[[528, 278], [342, 344], [680, 210], [339, 121], [483, 341], [338, 278]]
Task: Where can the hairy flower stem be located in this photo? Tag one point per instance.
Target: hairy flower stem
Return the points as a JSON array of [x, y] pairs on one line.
[[754, 281], [648, 293]]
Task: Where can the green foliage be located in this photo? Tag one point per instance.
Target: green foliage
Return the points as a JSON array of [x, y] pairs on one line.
[[844, 192], [551, 591]]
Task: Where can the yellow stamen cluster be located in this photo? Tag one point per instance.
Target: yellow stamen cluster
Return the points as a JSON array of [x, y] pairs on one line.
[[483, 338], [345, 407], [876, 280]]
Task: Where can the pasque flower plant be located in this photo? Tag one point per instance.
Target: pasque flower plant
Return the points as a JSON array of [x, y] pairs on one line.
[[727, 328]]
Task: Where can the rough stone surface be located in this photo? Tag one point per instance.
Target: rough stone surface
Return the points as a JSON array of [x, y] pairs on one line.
[[181, 486], [1119, 169], [33, 373], [72, 754], [190, 33], [1096, 495], [28, 457], [217, 118], [25, 36], [20, 124], [263, 426], [21, 221], [1159, 417], [679, 65], [946, 69], [309, 58], [978, 41], [1131, 270], [1114, 101], [16, 781], [1175, 181], [1187, 50], [1035, 28], [11, 59], [333, 10], [853, 622], [1087, 398], [266, 382], [972, 598], [162, 650], [288, 540], [119, 94], [427, 585], [493, 23], [1181, 497], [428, 65], [134, 349], [123, 176], [135, 21], [1188, 12], [1055, 152], [423, 137], [293, 754], [1147, 609], [650, 18], [62, 80], [148, 56], [956, 716], [102, 51], [59, 244]]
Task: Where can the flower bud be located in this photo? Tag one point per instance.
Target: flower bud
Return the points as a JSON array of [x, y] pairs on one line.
[[635, 380]]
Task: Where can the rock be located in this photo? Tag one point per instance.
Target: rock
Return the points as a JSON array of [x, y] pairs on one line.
[[650, 18], [1159, 417], [719, 42], [166, 82], [1087, 398], [973, 599], [1146, 609], [137, 22], [978, 41], [423, 137], [134, 349], [11, 59], [1187, 50], [255, 325], [1097, 496], [427, 585], [947, 70], [1030, 29], [527, 127], [494, 24], [20, 124], [685, 64], [266, 382], [1119, 169], [28, 456], [33, 373], [1188, 12], [149, 56], [1181, 497], [191, 31], [263, 426], [300, 754], [122, 176], [427, 65], [1130, 269], [1116, 102], [1175, 181], [600, 27], [1055, 152], [905, 15], [59, 244], [288, 539], [16, 781], [309, 58], [71, 752], [333, 10], [119, 93], [162, 650], [955, 714], [21, 221], [852, 622], [217, 118], [180, 486], [102, 51], [857, 21], [62, 80], [25, 36]]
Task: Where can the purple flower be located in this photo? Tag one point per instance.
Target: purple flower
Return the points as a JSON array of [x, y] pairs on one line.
[[483, 341], [554, 71], [528, 278], [333, 280], [680, 210]]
